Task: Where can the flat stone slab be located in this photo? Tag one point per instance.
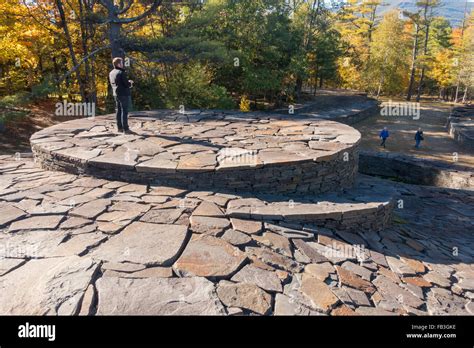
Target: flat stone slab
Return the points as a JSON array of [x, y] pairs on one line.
[[246, 226], [320, 295], [285, 305], [7, 265], [9, 214], [145, 243], [91, 209], [265, 280], [46, 286], [158, 296], [207, 256], [48, 222], [47, 243], [244, 295]]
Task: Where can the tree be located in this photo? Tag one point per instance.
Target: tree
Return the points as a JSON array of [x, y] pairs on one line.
[[415, 21], [466, 59], [442, 70], [323, 62], [115, 19], [390, 52], [427, 7], [460, 48], [358, 20]]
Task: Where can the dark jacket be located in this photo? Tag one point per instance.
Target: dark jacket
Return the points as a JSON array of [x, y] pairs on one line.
[[419, 135], [384, 134], [119, 81]]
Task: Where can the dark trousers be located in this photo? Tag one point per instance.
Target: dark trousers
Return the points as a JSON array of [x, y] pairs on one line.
[[383, 142], [121, 106]]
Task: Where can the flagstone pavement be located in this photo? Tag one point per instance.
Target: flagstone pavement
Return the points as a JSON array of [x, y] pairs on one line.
[[78, 245]]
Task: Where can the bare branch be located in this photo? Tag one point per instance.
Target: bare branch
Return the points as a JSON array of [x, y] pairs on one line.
[[126, 8], [90, 55], [153, 7], [108, 4]]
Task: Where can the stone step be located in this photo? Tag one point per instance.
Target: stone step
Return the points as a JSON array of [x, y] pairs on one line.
[[368, 205]]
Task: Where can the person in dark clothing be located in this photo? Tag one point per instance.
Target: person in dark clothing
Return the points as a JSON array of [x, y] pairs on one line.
[[384, 135], [418, 138], [121, 91]]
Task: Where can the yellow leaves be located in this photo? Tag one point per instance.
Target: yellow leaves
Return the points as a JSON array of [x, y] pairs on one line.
[[349, 73], [443, 68], [244, 105]]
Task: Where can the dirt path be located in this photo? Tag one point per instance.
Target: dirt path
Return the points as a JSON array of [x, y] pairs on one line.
[[437, 145], [16, 136]]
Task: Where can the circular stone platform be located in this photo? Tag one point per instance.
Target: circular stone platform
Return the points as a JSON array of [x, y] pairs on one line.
[[229, 151]]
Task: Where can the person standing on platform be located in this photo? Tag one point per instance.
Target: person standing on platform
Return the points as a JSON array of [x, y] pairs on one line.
[[121, 91]]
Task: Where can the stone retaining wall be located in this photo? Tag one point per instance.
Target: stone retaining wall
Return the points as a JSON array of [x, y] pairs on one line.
[[225, 151], [308, 218], [348, 115], [292, 177], [461, 126], [353, 118], [415, 170]]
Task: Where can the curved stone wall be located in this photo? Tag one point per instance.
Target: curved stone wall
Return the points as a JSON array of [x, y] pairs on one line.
[[227, 151], [416, 171]]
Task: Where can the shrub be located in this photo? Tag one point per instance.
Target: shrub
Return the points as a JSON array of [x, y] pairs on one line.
[[191, 86], [147, 95], [244, 104], [13, 100], [41, 90]]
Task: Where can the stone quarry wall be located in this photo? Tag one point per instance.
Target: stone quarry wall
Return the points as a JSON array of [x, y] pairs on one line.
[[416, 171]]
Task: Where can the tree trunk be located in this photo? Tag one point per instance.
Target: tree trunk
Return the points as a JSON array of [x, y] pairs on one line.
[[464, 98], [379, 90], [425, 52], [56, 77], [463, 28], [298, 87], [420, 85], [413, 62], [114, 37], [70, 46], [85, 51], [309, 23], [373, 16]]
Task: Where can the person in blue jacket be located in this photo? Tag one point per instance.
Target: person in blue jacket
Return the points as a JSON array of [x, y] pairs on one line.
[[418, 138], [384, 135]]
